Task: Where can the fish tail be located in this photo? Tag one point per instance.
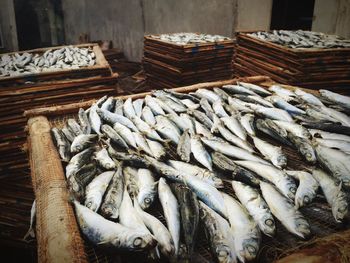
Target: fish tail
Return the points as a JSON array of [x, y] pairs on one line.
[[30, 234]]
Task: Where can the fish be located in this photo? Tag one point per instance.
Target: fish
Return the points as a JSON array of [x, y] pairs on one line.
[[204, 174], [84, 121], [294, 128], [201, 130], [137, 105], [219, 109], [337, 115], [118, 107], [247, 122], [239, 106], [255, 100], [190, 104], [183, 122], [68, 134], [145, 129], [283, 209], [332, 128], [202, 118], [308, 98], [307, 188], [318, 115], [114, 136], [112, 118], [256, 206], [128, 109], [236, 89], [94, 118], [126, 134], [233, 124], [175, 104], [230, 150], [157, 149], [147, 188], [77, 161], [62, 144], [96, 189], [165, 170], [255, 88], [207, 94], [332, 190], [104, 160], [166, 108], [200, 153], [343, 101], [206, 193], [74, 127], [285, 94], [336, 144], [82, 142], [223, 95], [184, 146], [152, 103], [246, 235], [31, 230], [114, 195], [159, 231], [141, 143], [129, 158], [271, 152], [167, 129], [272, 113], [336, 162], [218, 233], [108, 104], [284, 105], [171, 211], [207, 108], [131, 180], [99, 230], [189, 214], [329, 135], [280, 179], [270, 128], [148, 117], [304, 147], [182, 96], [238, 173]]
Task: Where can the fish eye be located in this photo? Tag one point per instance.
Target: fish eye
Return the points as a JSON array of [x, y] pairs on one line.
[[342, 209], [223, 253], [269, 222], [147, 200], [307, 199], [251, 249], [293, 190], [137, 242]]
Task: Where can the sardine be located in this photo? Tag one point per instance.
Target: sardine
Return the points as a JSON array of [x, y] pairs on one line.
[[223, 95], [94, 119], [304, 147], [114, 195], [255, 100], [147, 188], [142, 144], [343, 101], [286, 94], [333, 128], [112, 118], [219, 109], [183, 122], [157, 149], [307, 188], [284, 105], [104, 160], [146, 129], [255, 88], [207, 108], [202, 118], [68, 134], [137, 105], [271, 152], [190, 104], [294, 128], [114, 136], [62, 144], [201, 129], [332, 189], [83, 141], [74, 127], [31, 230], [234, 126], [148, 117], [96, 190], [166, 108], [165, 170], [308, 98], [184, 147], [274, 175], [284, 210], [256, 206], [247, 122], [77, 161], [118, 107], [207, 94], [108, 104], [329, 135], [174, 103], [200, 153], [272, 113], [125, 133], [273, 130], [128, 109], [167, 129], [244, 230], [84, 121], [239, 105], [170, 207], [154, 106], [236, 89], [336, 144]]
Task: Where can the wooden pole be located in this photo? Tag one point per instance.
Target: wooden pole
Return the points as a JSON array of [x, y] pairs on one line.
[[58, 235]]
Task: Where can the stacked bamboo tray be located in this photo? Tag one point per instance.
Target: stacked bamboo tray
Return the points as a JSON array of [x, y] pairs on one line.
[[312, 68], [168, 64], [20, 93]]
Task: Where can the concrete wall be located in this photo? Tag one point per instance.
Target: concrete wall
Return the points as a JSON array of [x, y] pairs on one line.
[[332, 17], [8, 25]]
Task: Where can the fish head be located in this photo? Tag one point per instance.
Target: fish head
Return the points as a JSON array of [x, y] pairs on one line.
[[303, 198], [224, 254], [76, 148], [250, 248], [282, 161], [110, 212], [92, 203], [136, 241], [167, 249], [310, 156], [290, 189], [145, 198], [302, 227], [340, 207], [269, 227]]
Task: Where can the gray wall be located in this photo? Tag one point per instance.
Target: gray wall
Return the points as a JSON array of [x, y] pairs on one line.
[[8, 25]]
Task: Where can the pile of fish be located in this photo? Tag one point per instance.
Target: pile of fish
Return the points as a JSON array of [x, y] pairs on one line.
[[189, 38], [118, 165], [302, 39], [68, 57]]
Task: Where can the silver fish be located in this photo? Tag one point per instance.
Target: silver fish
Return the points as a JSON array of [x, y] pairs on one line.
[[200, 153], [114, 136], [256, 206], [183, 122], [236, 89], [219, 109], [125, 133], [154, 106], [104, 160], [339, 116], [142, 144], [108, 104], [244, 229], [137, 104], [147, 116], [83, 141], [284, 105], [343, 101], [118, 108], [112, 118], [307, 188], [285, 211], [157, 149], [146, 129], [218, 232], [62, 144], [68, 134], [294, 128], [74, 127], [329, 135], [207, 94], [167, 129], [332, 189], [171, 211], [114, 195], [274, 175], [255, 88], [147, 188], [337, 144], [207, 108], [96, 189], [239, 105], [308, 98], [255, 100], [31, 230], [165, 106], [184, 147], [234, 126], [84, 121], [128, 109], [272, 113], [202, 118], [95, 120], [201, 129], [102, 231], [174, 103], [204, 174], [223, 95], [304, 147], [190, 104], [286, 94], [271, 152], [77, 161], [247, 122]]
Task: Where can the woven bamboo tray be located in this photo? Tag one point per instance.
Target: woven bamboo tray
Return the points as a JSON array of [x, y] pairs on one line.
[[58, 235]]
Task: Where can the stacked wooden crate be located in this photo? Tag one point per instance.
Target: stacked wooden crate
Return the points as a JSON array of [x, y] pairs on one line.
[[172, 64], [313, 68], [24, 92]]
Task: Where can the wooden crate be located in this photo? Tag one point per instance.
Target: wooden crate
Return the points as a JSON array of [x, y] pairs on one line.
[[57, 230]]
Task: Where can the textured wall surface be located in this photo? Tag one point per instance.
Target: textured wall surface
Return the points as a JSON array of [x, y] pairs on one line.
[[8, 25]]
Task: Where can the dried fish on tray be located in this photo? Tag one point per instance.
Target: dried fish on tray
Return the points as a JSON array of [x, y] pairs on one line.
[[188, 192]]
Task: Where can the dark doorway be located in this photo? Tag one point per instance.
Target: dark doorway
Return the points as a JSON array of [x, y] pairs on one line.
[[292, 14]]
